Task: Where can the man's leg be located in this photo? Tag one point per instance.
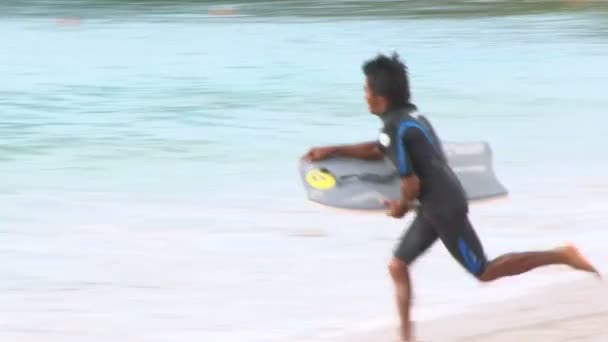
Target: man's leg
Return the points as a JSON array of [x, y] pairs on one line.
[[416, 240], [463, 243], [511, 264]]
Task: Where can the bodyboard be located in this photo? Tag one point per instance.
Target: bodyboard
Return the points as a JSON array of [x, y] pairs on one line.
[[350, 183]]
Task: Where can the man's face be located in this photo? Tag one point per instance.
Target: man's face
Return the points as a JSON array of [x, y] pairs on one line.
[[376, 104]]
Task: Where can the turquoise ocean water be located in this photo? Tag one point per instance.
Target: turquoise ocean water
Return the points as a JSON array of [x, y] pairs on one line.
[[148, 157]]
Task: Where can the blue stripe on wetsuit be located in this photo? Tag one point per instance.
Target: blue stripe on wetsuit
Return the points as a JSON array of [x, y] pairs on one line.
[[401, 151], [472, 262]]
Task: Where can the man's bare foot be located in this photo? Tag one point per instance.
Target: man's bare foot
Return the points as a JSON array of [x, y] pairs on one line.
[[405, 333], [576, 259]]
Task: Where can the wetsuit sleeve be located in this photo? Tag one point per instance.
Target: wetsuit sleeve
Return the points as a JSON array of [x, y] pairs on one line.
[[411, 141]]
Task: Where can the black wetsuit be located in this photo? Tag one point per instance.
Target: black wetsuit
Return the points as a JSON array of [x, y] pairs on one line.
[[443, 212]]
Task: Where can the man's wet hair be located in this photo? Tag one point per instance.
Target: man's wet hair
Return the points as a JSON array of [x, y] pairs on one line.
[[388, 76]]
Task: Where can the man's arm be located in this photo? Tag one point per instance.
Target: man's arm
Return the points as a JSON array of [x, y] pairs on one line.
[[366, 150], [410, 189], [409, 157]]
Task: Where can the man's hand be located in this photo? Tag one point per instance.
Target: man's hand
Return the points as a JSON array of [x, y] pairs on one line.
[[395, 208], [318, 153]]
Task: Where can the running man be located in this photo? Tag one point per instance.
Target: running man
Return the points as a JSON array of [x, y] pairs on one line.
[[443, 211]]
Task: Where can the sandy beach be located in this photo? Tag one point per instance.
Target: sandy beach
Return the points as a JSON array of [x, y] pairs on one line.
[[577, 311], [573, 311]]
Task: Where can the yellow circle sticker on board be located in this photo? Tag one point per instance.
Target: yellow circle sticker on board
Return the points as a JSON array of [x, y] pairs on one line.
[[320, 180]]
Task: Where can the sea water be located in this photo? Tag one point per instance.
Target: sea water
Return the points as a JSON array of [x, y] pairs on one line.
[[148, 157]]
